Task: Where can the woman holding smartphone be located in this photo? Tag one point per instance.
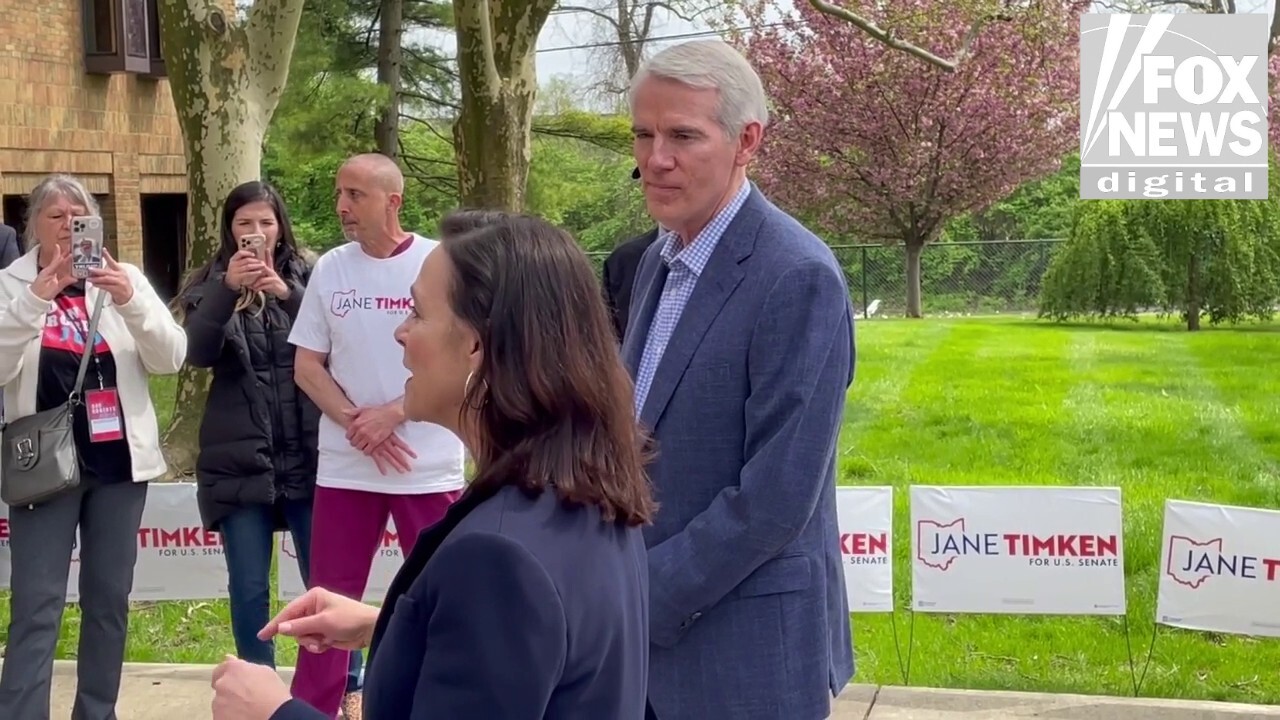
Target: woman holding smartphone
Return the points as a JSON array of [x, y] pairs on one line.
[[256, 469], [46, 355]]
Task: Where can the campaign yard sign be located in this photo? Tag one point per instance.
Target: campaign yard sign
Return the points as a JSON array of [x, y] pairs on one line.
[[387, 560], [6, 564], [1017, 550], [1220, 569], [177, 558], [865, 518]]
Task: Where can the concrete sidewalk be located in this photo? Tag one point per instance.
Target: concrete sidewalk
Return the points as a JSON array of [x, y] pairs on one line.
[[166, 692]]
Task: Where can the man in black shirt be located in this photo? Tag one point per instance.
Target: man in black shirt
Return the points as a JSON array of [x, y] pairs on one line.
[[620, 274]]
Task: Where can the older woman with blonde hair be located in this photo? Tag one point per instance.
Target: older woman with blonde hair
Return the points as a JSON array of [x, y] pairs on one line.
[[46, 313]]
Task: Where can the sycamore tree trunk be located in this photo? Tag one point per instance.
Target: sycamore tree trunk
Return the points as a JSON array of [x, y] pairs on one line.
[[226, 76], [496, 42]]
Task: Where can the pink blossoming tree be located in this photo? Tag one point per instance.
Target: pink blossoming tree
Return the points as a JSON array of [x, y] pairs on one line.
[[1273, 107], [862, 137]]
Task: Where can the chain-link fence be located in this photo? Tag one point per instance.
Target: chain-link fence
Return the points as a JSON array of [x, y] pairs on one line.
[[957, 278], [960, 278]]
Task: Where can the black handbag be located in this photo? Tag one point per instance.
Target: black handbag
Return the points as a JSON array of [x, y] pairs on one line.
[[38, 456]]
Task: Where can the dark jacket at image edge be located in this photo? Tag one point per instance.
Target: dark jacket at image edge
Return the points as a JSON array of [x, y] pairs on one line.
[[259, 433]]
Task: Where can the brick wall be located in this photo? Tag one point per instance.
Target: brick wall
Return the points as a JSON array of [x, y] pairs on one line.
[[118, 132]]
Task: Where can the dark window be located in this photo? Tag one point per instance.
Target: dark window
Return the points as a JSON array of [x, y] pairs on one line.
[[153, 40], [136, 27], [107, 211], [122, 36], [15, 215], [100, 38], [164, 241]]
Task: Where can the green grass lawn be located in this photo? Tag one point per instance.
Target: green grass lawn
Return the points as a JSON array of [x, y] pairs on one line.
[[1159, 412], [1155, 410]]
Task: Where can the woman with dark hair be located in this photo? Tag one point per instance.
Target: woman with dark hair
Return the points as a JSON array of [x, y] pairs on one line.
[[460, 222], [256, 468], [530, 598]]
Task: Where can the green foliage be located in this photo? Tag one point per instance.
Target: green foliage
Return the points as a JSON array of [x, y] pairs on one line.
[[1040, 209], [581, 179], [1218, 259], [1108, 267], [307, 188], [331, 101], [580, 169], [575, 183], [306, 183], [609, 132], [1221, 259]]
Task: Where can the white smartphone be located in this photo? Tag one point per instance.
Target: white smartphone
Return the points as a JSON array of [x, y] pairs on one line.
[[86, 245]]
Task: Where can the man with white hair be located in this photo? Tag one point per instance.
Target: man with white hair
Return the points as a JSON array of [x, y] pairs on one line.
[[740, 340]]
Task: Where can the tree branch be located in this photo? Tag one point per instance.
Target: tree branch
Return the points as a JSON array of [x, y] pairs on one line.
[[270, 33], [603, 16], [604, 140], [474, 28], [687, 18], [532, 14], [444, 184], [429, 160], [315, 86], [372, 29], [431, 128], [435, 63], [438, 102], [887, 36], [1275, 32]]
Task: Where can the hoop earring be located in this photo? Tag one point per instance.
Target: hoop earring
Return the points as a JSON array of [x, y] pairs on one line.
[[466, 390]]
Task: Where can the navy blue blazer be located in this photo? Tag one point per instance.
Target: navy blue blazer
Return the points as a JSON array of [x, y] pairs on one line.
[[511, 608], [748, 615]]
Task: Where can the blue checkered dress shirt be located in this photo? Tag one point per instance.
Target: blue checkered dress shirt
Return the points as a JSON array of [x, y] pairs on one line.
[[684, 267]]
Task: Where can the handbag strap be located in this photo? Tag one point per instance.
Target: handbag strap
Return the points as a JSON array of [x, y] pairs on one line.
[[90, 340]]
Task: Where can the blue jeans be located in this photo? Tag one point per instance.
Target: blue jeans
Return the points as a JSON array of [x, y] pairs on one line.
[[248, 543]]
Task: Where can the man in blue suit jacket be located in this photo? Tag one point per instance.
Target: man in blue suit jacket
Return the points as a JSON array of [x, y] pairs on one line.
[[740, 341]]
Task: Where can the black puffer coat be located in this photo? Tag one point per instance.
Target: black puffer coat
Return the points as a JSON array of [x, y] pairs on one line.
[[259, 435]]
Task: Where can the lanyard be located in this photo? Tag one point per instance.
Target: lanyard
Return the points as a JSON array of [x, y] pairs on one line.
[[83, 328]]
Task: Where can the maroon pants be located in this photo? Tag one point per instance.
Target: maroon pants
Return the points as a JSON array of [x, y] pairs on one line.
[[346, 528]]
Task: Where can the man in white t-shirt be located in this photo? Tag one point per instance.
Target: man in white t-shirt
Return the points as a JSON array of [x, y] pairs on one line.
[[372, 463]]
